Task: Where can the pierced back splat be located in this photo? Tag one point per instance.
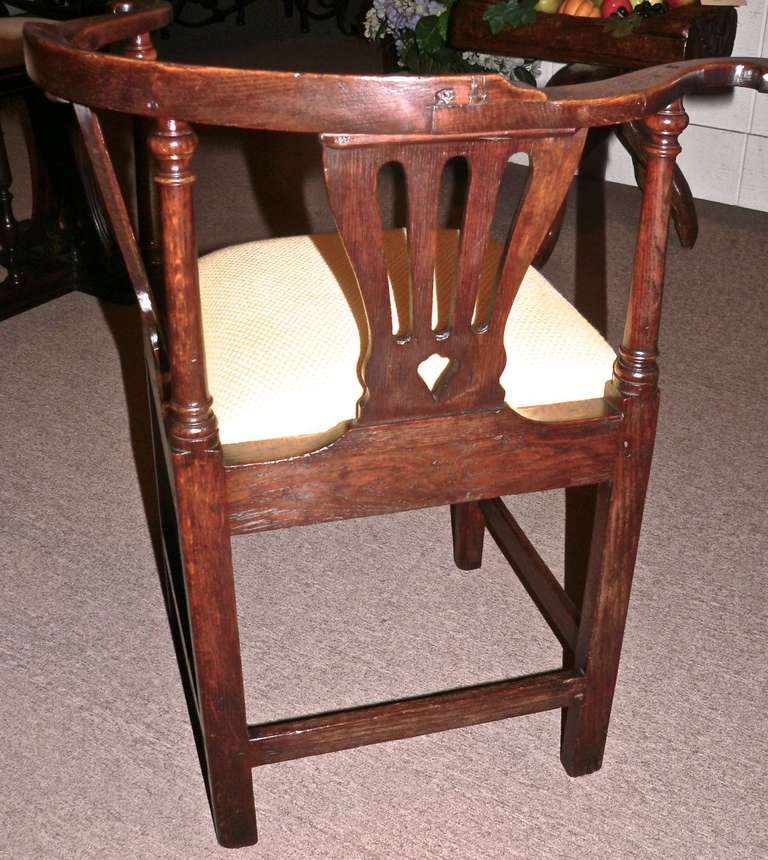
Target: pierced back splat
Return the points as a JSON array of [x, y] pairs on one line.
[[393, 387]]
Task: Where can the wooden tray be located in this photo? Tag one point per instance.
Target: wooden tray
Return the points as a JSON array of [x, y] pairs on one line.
[[681, 34]]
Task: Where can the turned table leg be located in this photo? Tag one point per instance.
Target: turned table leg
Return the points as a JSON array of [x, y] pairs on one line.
[[9, 228]]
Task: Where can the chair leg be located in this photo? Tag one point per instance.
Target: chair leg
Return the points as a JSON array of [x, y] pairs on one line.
[[616, 530], [230, 793], [218, 678], [579, 520], [468, 527], [221, 707]]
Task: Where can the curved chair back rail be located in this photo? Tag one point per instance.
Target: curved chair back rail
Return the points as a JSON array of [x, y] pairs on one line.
[[64, 61], [409, 444], [366, 121]]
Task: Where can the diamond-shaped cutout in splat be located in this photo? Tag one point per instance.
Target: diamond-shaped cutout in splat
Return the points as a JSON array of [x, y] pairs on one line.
[[432, 368]]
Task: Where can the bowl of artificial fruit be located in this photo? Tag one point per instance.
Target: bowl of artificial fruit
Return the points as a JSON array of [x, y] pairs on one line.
[[625, 14], [620, 17]]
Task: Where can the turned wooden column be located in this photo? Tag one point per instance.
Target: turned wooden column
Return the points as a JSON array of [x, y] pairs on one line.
[[147, 218], [619, 505], [636, 371], [141, 47], [198, 474], [190, 418]]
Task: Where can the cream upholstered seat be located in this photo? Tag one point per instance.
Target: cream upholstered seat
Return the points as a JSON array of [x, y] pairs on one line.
[[283, 326]]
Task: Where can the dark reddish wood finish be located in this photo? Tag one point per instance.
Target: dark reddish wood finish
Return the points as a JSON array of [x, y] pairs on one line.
[[393, 388], [542, 586], [407, 718], [63, 58], [620, 503], [683, 209], [592, 54], [197, 468], [409, 447], [147, 216], [630, 135], [468, 530], [682, 34], [362, 473]]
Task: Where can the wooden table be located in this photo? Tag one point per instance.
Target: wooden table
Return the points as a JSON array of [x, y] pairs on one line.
[[591, 54]]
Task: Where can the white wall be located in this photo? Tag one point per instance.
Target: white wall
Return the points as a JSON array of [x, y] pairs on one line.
[[725, 148]]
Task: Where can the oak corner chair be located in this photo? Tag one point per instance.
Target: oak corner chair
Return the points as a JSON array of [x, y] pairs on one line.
[[527, 396]]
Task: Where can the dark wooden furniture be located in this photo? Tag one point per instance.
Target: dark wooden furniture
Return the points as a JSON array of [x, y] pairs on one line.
[[35, 269], [458, 444], [685, 33], [201, 13], [592, 54], [65, 245], [56, 10]]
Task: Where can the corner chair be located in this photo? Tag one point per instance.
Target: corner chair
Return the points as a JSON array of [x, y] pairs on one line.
[[429, 368]]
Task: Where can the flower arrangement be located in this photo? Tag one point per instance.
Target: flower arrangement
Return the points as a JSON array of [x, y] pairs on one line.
[[419, 32]]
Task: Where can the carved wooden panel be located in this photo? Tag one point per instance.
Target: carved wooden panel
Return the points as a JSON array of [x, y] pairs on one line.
[[473, 347]]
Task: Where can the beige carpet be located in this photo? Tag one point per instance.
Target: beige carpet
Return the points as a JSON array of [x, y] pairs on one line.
[[98, 760]]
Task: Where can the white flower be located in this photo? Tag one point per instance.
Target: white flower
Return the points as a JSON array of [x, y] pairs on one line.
[[399, 15], [371, 24], [503, 65], [398, 19]]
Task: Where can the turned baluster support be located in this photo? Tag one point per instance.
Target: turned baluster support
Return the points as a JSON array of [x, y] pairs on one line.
[[141, 47], [636, 370], [198, 474], [619, 503], [190, 418]]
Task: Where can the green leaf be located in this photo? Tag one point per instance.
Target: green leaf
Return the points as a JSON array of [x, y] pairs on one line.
[[411, 58], [496, 16], [526, 12], [443, 20], [619, 27], [511, 13], [428, 35]]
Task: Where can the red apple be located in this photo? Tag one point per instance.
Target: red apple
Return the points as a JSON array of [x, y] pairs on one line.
[[611, 6]]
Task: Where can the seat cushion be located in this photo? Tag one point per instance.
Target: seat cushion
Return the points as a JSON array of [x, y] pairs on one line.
[[284, 327]]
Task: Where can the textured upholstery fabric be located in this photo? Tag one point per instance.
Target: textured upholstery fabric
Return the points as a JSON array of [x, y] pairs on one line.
[[284, 326]]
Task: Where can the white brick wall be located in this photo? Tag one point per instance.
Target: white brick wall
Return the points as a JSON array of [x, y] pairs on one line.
[[725, 148]]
